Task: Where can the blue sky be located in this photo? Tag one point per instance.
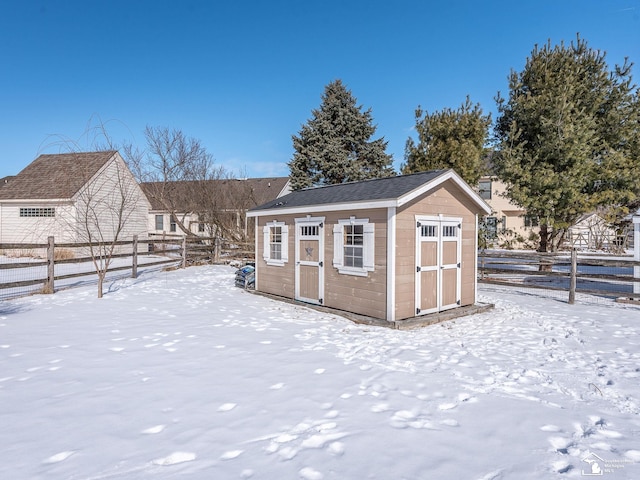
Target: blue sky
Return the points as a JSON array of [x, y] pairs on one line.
[[243, 76]]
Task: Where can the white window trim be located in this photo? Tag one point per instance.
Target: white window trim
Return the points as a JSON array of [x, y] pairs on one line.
[[368, 247], [266, 250]]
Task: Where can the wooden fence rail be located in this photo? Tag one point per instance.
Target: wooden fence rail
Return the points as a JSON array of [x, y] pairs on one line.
[[148, 252], [565, 271]]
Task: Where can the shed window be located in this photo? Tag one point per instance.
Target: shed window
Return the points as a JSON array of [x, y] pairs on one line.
[[276, 240], [449, 231], [38, 212], [353, 246]]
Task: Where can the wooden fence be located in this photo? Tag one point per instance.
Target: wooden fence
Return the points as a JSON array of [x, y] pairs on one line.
[[570, 272], [42, 267]]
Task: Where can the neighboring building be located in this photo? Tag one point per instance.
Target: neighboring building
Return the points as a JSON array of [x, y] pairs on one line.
[[53, 195], [591, 232], [201, 206], [507, 225], [391, 248]]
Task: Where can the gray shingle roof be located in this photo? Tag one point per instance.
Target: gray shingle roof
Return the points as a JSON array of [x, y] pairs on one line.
[[389, 188], [54, 176], [181, 193]]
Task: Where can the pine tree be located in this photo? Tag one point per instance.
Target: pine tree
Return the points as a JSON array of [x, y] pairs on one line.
[[568, 137], [449, 139], [335, 145]]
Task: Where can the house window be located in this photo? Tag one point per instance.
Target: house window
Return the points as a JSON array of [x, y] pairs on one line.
[[38, 212], [159, 222], [353, 246], [275, 248], [531, 221], [491, 227], [484, 189], [201, 223], [172, 225]]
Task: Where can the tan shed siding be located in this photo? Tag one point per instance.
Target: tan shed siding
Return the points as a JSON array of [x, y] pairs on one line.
[[449, 201], [274, 279], [362, 295]]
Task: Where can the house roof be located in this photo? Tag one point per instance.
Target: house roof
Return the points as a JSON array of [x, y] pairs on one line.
[[5, 180], [258, 191], [379, 192], [54, 176]]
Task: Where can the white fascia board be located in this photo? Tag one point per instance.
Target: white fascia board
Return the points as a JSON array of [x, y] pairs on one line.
[[56, 201], [448, 175], [332, 207]]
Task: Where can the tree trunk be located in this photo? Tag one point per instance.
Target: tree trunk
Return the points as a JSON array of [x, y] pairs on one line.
[[544, 238], [544, 243], [100, 282]]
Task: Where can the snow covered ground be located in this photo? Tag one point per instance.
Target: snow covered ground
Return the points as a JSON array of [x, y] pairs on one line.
[[181, 375]]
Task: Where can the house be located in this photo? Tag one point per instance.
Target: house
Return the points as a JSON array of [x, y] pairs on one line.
[[507, 225], [204, 208], [390, 248], [72, 196]]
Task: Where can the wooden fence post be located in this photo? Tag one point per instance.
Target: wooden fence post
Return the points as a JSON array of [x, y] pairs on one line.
[[217, 246], [134, 266], [49, 286], [573, 276], [184, 252]]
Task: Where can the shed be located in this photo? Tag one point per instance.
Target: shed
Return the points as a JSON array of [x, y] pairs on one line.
[[391, 248]]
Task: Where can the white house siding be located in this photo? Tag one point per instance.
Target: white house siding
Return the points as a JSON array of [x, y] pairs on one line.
[[17, 229], [111, 188]]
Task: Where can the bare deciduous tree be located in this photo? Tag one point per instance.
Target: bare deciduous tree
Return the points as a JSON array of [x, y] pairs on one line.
[[180, 176], [175, 171], [106, 209]]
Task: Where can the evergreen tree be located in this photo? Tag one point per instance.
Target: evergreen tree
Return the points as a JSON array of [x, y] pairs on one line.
[[334, 146], [449, 139], [568, 136]]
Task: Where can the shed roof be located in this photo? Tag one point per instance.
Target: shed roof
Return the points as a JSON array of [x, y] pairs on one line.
[[55, 176], [379, 192]]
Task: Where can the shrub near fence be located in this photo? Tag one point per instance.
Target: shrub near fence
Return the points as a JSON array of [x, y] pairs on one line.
[[570, 272], [43, 268]]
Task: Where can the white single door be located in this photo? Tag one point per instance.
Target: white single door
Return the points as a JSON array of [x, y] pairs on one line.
[[309, 268], [438, 261]]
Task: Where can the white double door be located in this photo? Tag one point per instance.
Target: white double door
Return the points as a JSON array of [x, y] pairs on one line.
[[438, 264]]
